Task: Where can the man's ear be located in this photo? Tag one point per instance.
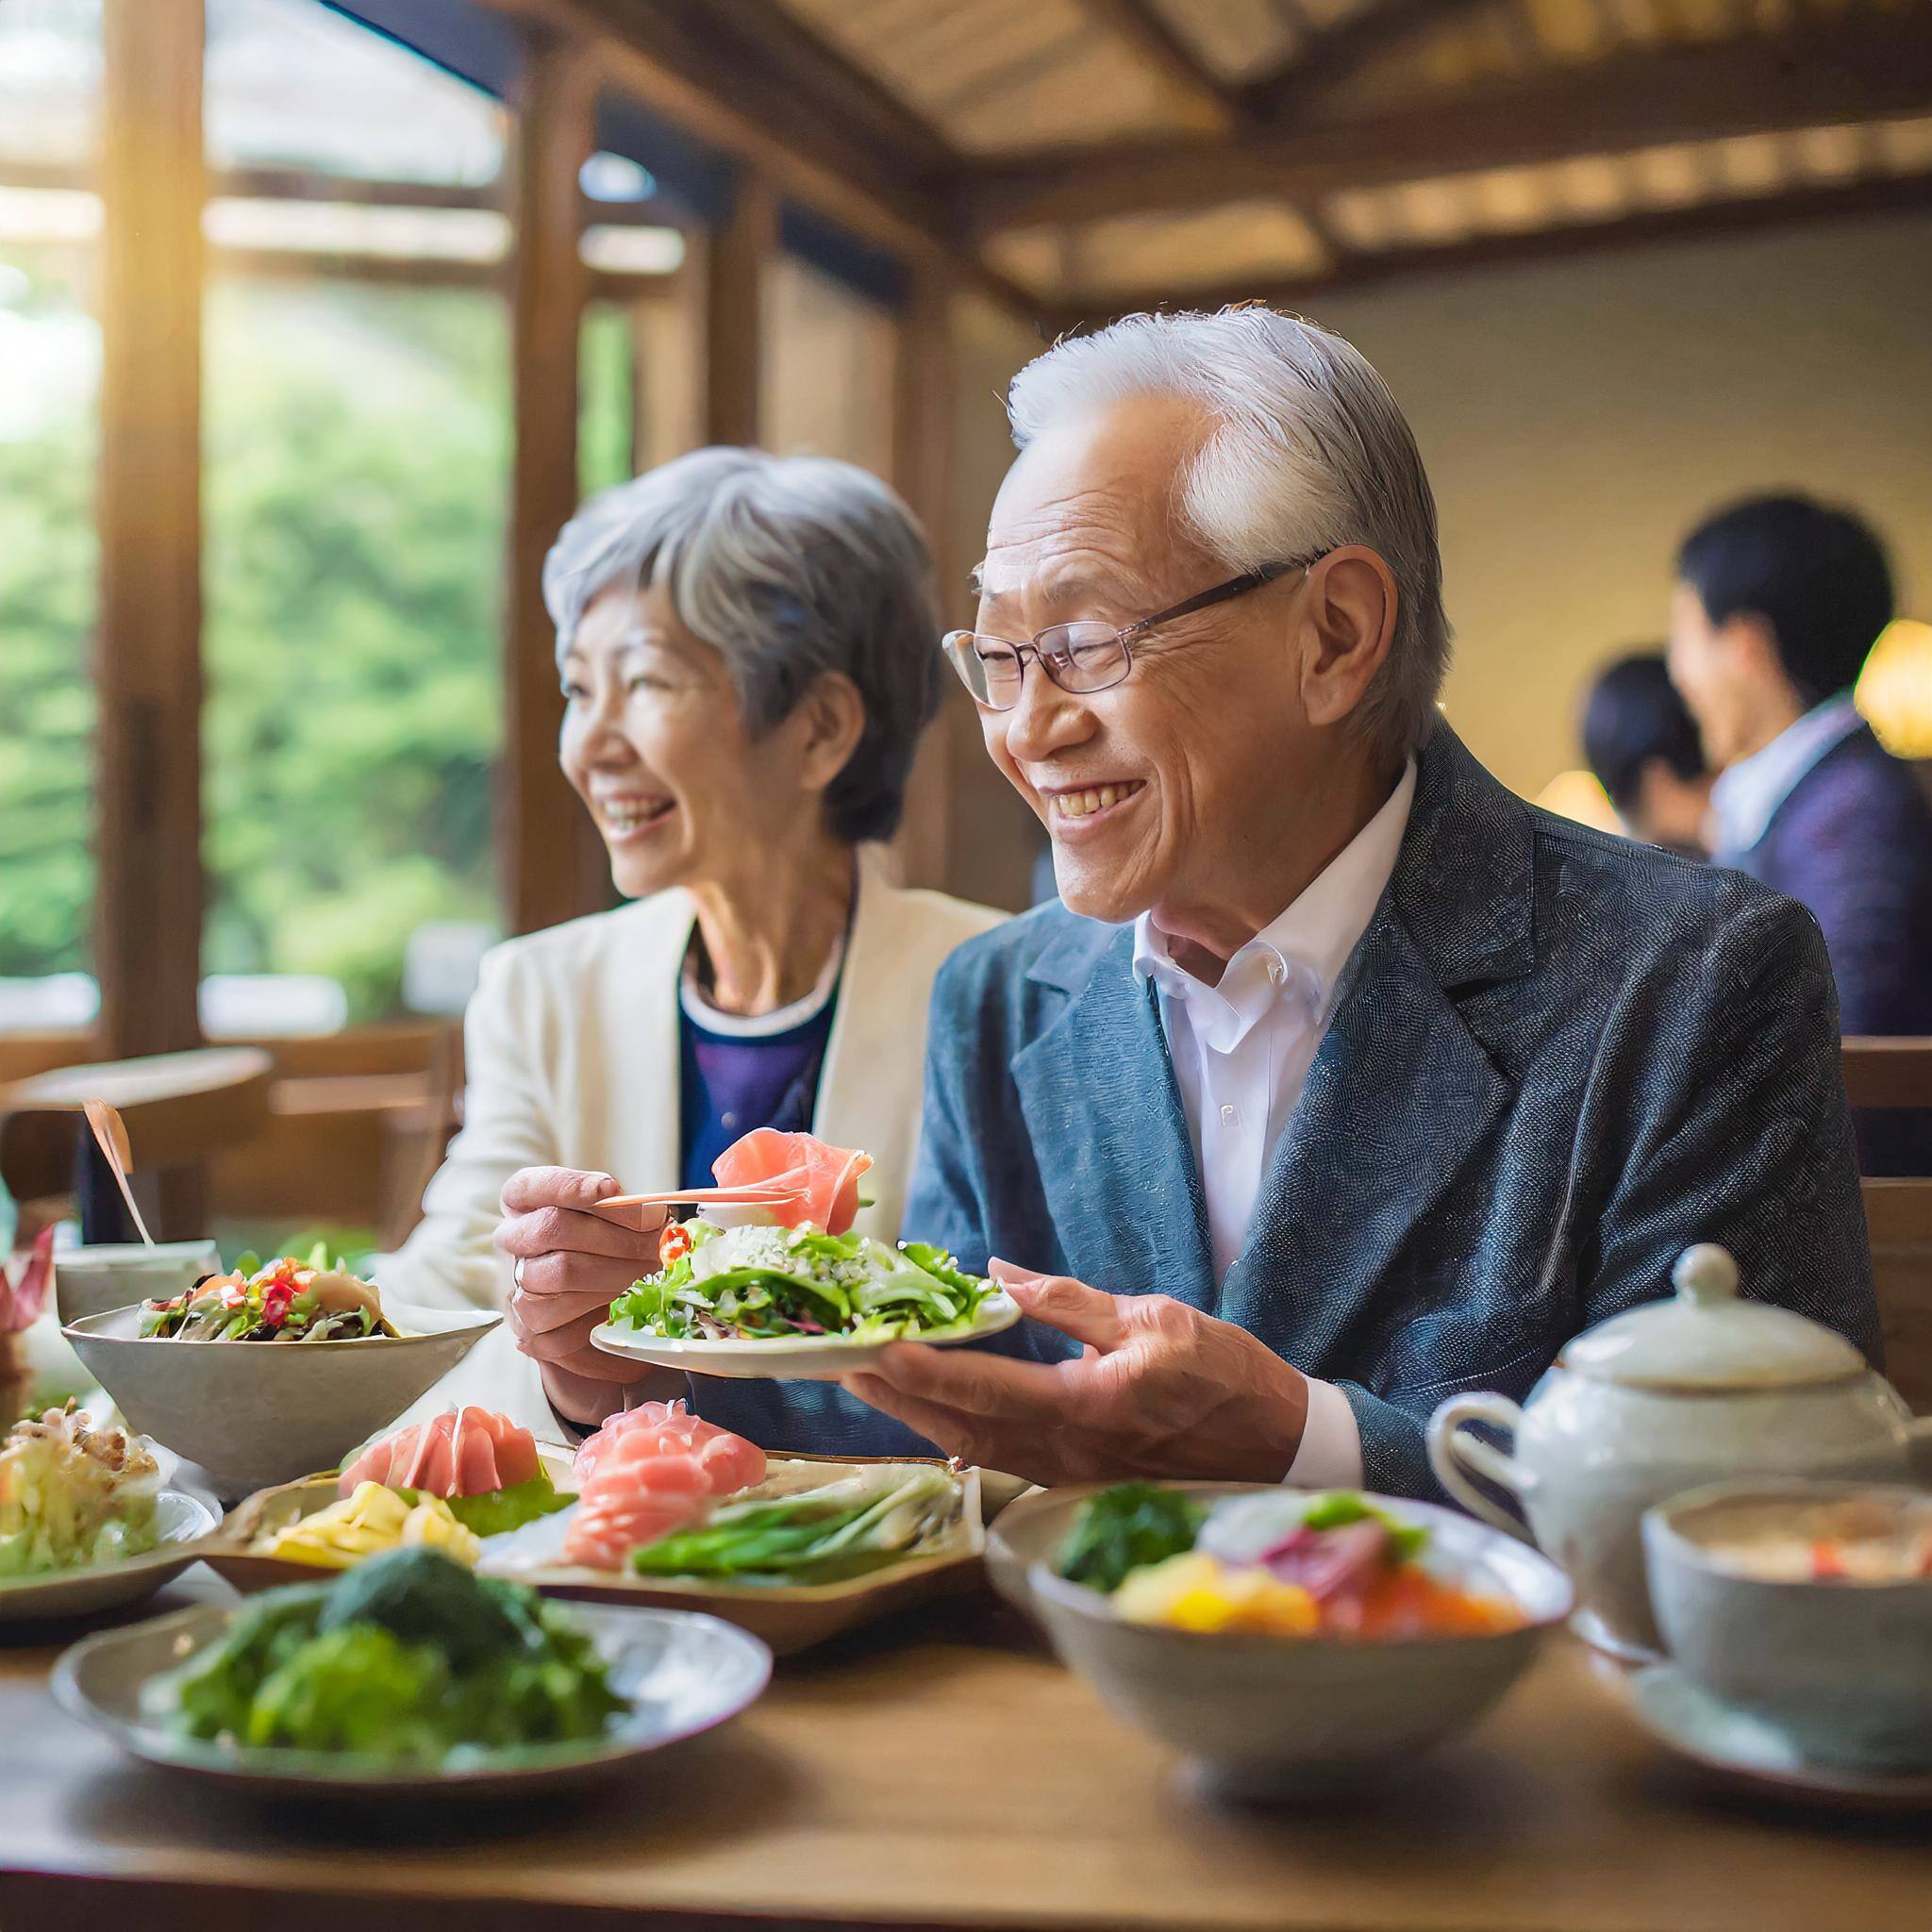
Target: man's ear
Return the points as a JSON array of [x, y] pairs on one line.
[[1352, 605], [1754, 643], [830, 719]]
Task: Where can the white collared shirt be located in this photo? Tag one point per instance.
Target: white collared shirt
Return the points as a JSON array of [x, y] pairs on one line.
[[1242, 1052], [1746, 796]]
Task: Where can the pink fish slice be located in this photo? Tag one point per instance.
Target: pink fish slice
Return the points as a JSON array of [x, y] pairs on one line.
[[111, 1135], [646, 1213]]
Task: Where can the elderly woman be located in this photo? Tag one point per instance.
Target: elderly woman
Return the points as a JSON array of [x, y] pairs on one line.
[[748, 652]]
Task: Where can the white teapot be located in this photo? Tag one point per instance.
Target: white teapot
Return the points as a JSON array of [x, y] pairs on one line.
[[1655, 1401]]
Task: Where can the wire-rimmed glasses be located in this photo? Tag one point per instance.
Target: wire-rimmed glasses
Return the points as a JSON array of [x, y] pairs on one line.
[[1085, 656]]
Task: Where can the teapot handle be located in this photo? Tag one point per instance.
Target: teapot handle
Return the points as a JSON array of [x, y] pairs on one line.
[[1451, 1452]]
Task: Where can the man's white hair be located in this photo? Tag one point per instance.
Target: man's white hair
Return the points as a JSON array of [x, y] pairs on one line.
[[1310, 452]]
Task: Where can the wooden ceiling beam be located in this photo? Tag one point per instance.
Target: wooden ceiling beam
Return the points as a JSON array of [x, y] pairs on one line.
[[1146, 29], [1900, 194], [1338, 54], [665, 55], [1702, 93]]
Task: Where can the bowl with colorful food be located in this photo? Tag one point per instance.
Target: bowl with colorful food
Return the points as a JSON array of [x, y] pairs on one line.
[[658, 1507], [85, 1522], [270, 1369], [1806, 1605], [1287, 1644], [409, 1675]]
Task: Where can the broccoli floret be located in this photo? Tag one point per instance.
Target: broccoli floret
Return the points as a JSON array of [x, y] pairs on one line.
[[421, 1596]]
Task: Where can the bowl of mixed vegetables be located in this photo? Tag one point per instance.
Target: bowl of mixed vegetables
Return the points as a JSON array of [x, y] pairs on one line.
[[271, 1369], [1286, 1642], [409, 1675]]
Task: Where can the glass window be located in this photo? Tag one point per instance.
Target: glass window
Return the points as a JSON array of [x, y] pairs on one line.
[[292, 84], [50, 350], [356, 453], [356, 474]]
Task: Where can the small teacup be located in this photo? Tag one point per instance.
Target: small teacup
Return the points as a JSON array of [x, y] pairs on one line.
[[91, 1281]]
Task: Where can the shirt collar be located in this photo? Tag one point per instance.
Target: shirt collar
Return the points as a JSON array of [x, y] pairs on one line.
[[1298, 955], [1746, 797]]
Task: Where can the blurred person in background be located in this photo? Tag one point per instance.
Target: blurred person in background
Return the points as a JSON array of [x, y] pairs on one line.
[[1778, 602], [746, 648], [1643, 745]]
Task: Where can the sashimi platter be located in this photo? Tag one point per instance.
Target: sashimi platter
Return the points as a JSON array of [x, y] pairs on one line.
[[656, 1507], [771, 1279]]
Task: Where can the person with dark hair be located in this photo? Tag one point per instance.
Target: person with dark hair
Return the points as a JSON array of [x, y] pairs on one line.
[[1644, 747], [1779, 601]]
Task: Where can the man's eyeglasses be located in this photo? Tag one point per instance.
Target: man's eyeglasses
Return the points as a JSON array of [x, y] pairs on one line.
[[1082, 657]]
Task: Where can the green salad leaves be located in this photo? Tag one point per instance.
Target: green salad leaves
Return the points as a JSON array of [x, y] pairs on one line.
[[739, 1283], [1125, 1528], [408, 1659]]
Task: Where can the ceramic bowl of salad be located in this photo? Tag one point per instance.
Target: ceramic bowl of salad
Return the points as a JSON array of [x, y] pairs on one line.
[[270, 1369], [1808, 1605], [1288, 1645], [85, 1522]]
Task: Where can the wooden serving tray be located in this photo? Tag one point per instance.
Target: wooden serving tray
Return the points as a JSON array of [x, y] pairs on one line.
[[789, 1617]]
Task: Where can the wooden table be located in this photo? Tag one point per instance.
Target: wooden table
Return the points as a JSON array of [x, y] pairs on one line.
[[948, 1773]]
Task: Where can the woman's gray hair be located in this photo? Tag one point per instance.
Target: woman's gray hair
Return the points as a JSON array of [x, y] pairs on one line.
[[1309, 453], [788, 567]]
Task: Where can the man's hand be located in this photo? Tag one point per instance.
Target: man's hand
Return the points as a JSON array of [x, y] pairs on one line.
[[1159, 1389], [570, 1266]]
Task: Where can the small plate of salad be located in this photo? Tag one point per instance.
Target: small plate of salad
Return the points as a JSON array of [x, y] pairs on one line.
[[795, 1302], [85, 1522]]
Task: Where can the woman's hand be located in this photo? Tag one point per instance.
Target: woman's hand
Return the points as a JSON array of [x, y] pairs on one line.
[[570, 1266], [1158, 1390]]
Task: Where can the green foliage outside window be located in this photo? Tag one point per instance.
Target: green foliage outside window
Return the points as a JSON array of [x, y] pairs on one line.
[[356, 452]]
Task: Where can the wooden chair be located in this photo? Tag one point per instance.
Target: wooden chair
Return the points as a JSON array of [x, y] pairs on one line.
[[1898, 1214], [180, 1109]]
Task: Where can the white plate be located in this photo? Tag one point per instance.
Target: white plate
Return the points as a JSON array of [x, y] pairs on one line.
[[787, 1357], [681, 1672], [183, 1519], [1756, 1754]]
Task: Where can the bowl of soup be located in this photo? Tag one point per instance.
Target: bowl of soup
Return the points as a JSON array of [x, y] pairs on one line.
[[1808, 1605]]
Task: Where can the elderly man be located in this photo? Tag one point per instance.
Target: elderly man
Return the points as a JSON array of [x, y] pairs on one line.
[[1360, 1082]]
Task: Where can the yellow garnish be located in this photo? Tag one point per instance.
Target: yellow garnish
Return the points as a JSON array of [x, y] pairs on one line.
[[1193, 1591], [373, 1519]]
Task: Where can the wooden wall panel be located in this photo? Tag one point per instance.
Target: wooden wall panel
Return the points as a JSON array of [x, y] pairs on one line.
[[737, 258]]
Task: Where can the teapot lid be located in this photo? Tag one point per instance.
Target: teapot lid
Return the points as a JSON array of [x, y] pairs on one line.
[[1705, 1338]]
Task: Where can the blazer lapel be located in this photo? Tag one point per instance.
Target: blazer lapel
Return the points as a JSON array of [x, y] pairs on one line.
[[638, 1044], [1399, 1095], [1108, 1135], [1401, 1092]]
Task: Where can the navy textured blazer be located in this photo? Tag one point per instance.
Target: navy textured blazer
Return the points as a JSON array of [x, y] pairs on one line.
[[1555, 1060], [1852, 841]]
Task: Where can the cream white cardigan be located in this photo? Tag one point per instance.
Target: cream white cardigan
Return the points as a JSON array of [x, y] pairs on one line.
[[572, 1057]]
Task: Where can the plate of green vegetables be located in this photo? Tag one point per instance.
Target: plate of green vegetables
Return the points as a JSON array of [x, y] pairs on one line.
[[409, 1675]]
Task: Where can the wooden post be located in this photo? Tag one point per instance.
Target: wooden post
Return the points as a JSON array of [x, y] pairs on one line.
[[736, 258], [147, 668], [924, 408], [552, 867]]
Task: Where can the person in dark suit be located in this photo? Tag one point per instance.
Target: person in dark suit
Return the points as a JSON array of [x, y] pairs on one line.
[[1779, 602], [1360, 1081], [1643, 745]]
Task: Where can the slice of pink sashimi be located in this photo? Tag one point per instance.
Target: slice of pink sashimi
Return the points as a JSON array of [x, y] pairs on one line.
[[464, 1454], [822, 1181], [658, 1428], [607, 1529]]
